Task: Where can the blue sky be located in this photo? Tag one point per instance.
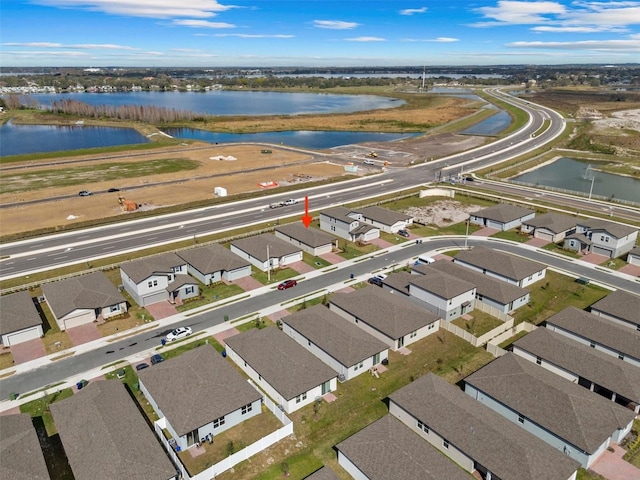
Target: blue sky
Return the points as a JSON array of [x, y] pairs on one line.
[[211, 33]]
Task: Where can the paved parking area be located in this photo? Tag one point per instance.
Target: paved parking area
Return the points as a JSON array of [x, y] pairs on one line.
[[332, 258], [222, 336], [26, 351], [84, 333], [537, 242], [301, 267], [381, 243], [161, 310], [485, 232], [633, 270], [594, 258], [247, 283], [611, 465]]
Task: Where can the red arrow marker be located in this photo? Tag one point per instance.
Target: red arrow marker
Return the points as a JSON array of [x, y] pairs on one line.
[[306, 220]]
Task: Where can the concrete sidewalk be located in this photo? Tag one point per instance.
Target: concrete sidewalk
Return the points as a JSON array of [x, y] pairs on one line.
[[164, 323]]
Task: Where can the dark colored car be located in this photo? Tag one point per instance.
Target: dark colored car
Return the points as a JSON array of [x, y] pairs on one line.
[[375, 281], [287, 284], [142, 366], [84, 193], [113, 189], [157, 358], [403, 233]]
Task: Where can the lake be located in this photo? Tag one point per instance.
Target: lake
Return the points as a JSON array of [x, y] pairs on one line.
[[491, 125], [572, 174], [227, 102]]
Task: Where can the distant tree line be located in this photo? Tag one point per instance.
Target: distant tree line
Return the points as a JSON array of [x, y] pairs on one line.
[[136, 113]]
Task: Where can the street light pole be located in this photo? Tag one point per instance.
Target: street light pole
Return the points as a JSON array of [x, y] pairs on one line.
[[466, 235], [591, 189], [268, 266]]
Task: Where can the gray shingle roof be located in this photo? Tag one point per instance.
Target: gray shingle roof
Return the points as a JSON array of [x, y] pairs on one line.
[[509, 266], [256, 246], [554, 222], [440, 283], [105, 436], [383, 215], [618, 230], [388, 449], [398, 281], [336, 336], [90, 291], [288, 367], [600, 330], [311, 236], [339, 213], [21, 456], [594, 365], [139, 270], [503, 212], [389, 313], [212, 259], [620, 304], [17, 312], [484, 435], [180, 280], [574, 413], [197, 387], [486, 286], [635, 251]]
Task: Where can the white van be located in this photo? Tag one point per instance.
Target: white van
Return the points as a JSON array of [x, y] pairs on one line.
[[426, 260]]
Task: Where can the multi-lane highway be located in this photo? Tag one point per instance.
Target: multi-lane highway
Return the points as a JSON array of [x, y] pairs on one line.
[[45, 253]]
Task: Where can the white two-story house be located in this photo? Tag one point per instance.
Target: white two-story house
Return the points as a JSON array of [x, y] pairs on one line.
[[602, 237], [347, 224]]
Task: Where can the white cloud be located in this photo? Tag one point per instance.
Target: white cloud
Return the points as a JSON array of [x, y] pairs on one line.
[[366, 39], [32, 44], [437, 40], [632, 45], [411, 11], [145, 8], [335, 24], [100, 46], [202, 24], [255, 35], [518, 13], [577, 29]]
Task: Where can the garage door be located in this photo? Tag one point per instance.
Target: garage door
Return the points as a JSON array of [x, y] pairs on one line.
[[601, 251], [79, 320], [23, 336], [238, 273], [155, 298], [544, 235]]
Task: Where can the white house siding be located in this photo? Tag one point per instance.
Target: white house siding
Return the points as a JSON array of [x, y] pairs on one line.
[[315, 251], [619, 434], [241, 272], [14, 338], [337, 227], [447, 309], [615, 247], [114, 310], [597, 346], [142, 293], [432, 437], [521, 283], [548, 235], [76, 318], [292, 258], [633, 259], [371, 235], [555, 441], [351, 469], [399, 225], [617, 320], [572, 377]]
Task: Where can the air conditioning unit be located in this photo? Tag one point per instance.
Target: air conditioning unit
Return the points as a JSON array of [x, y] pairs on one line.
[[120, 287], [341, 378], [40, 298]]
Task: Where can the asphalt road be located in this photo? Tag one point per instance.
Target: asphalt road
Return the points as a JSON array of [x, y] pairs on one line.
[[45, 253], [60, 370]]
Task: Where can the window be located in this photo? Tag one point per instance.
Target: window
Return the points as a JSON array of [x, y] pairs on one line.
[[247, 408], [114, 308], [149, 284], [302, 397], [538, 360], [358, 366], [520, 419], [423, 427], [445, 443], [189, 290], [413, 334], [218, 422], [333, 228], [431, 326]]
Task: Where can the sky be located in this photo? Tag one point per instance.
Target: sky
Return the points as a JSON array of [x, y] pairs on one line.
[[316, 33]]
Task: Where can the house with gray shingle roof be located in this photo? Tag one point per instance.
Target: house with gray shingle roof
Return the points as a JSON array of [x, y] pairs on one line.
[[214, 263], [500, 295], [323, 473], [567, 416], [311, 240], [105, 436], [347, 349], [19, 319], [551, 226], [348, 224], [386, 220], [79, 300], [447, 296], [21, 456], [387, 449], [633, 257], [508, 268], [266, 251], [598, 333], [594, 235], [395, 319], [199, 393], [620, 307], [581, 364], [291, 375], [502, 216], [474, 436], [147, 279]]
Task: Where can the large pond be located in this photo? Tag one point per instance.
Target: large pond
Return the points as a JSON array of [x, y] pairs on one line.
[[227, 102], [25, 139], [491, 125], [571, 174], [304, 139]]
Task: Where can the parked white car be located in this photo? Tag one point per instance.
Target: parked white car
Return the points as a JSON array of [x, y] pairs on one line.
[[178, 333]]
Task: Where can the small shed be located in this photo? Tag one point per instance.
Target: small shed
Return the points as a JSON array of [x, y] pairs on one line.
[[220, 192]]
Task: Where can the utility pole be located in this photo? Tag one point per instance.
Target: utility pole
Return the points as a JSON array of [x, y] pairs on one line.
[[466, 235], [268, 265], [591, 189]]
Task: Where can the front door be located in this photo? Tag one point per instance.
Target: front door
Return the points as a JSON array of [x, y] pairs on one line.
[[401, 342], [376, 359], [326, 387]]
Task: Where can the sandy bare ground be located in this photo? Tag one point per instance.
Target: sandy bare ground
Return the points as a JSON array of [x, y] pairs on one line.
[[627, 119], [442, 213]]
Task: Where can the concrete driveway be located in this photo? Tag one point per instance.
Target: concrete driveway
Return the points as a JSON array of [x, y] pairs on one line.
[[161, 310], [332, 258], [84, 333], [26, 351], [611, 465], [247, 283]]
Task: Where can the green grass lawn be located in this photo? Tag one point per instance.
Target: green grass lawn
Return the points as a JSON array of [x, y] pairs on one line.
[[554, 293], [512, 235], [352, 250], [315, 262], [40, 408], [277, 275], [552, 247], [211, 293], [480, 324]]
